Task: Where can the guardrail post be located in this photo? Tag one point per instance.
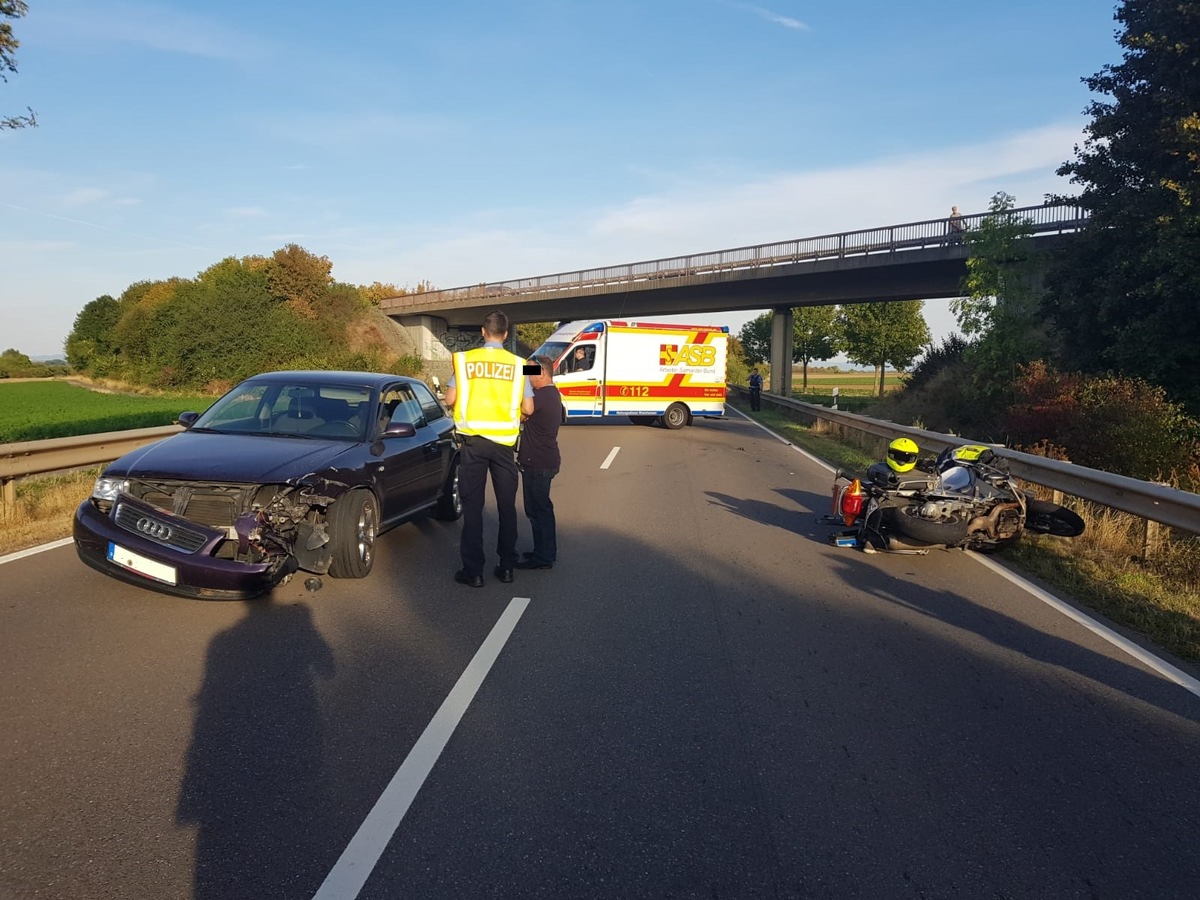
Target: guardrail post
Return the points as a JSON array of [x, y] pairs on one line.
[[1151, 538], [10, 494]]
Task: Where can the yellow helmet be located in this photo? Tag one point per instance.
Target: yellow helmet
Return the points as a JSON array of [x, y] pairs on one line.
[[902, 454]]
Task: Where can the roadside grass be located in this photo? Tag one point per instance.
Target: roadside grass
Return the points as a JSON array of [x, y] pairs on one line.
[[44, 509], [1102, 569]]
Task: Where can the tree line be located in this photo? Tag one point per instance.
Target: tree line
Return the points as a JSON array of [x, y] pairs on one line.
[[235, 319]]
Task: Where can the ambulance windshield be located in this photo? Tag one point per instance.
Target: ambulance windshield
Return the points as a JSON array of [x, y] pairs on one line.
[[552, 350]]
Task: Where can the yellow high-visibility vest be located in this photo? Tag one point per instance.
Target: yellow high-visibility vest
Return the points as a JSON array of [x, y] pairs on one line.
[[490, 385]]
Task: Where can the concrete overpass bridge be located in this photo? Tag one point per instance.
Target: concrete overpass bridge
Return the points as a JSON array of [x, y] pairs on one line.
[[913, 261]]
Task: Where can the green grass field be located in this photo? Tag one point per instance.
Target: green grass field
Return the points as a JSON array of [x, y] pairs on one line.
[[34, 411], [857, 384]]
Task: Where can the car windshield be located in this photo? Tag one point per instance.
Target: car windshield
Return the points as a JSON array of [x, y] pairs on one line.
[[300, 409]]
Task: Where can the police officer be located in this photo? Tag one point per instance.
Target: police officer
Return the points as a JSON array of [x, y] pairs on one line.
[[488, 391], [756, 384]]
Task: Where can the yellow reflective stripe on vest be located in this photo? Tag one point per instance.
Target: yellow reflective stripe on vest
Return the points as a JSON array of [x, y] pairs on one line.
[[490, 385]]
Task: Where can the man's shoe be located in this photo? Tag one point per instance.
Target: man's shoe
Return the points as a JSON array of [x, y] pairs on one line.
[[462, 577], [533, 564], [503, 574]]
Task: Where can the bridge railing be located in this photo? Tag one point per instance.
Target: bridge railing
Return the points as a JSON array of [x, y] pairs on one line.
[[1051, 218]]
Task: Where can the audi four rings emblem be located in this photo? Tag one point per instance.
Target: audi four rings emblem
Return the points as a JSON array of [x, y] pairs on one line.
[[153, 529]]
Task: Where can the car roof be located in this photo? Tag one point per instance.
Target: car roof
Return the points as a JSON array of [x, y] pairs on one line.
[[341, 379]]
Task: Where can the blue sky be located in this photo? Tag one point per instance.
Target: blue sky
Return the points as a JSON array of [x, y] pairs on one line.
[[459, 142]]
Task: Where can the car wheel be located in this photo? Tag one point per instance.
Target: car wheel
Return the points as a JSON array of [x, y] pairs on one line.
[[676, 416], [449, 505], [353, 525]]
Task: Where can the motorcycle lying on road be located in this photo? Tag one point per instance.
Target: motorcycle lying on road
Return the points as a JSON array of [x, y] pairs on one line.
[[965, 498]]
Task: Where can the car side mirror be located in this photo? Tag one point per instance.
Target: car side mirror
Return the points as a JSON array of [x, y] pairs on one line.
[[400, 429], [187, 419]]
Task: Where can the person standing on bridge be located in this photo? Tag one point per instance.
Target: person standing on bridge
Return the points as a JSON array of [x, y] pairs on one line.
[[488, 391], [957, 227]]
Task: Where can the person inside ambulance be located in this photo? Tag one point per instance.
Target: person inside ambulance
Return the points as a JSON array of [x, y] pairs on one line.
[[581, 360]]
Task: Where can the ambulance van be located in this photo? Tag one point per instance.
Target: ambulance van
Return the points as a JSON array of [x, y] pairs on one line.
[[642, 370]]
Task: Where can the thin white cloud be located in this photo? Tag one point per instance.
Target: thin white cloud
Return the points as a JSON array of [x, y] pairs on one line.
[[85, 197], [153, 25], [785, 21], [772, 16], [18, 249], [332, 128]]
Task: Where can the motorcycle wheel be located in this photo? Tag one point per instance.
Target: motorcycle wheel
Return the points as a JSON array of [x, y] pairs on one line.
[[1044, 517], [904, 521]]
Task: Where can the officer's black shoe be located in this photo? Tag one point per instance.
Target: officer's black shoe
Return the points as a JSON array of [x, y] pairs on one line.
[[533, 564], [462, 577], [503, 574]]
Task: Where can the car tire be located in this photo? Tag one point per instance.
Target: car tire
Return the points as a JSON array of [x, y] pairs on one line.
[[353, 522], [676, 416], [449, 505]]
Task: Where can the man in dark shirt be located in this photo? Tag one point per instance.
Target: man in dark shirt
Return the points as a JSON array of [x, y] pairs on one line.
[[539, 460]]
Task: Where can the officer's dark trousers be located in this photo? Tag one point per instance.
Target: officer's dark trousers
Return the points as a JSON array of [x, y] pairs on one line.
[[755, 399], [535, 492], [479, 457]]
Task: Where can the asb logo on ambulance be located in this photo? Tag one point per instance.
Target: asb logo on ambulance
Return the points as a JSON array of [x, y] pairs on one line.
[[700, 356]]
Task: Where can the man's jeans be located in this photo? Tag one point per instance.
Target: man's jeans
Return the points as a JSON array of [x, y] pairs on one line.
[[535, 488]]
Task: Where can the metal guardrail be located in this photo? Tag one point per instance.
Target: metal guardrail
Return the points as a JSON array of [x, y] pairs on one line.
[[25, 458], [1060, 218], [1145, 499]]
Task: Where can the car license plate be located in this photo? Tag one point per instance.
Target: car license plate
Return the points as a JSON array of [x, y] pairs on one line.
[[127, 559]]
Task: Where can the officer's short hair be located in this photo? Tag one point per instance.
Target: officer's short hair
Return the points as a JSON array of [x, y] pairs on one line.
[[495, 324]]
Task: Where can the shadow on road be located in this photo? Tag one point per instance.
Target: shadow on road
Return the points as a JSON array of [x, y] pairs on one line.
[[255, 780]]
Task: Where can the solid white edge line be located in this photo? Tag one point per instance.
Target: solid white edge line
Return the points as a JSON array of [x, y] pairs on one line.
[[611, 456], [1168, 671], [785, 441], [358, 860], [1162, 667], [21, 554]]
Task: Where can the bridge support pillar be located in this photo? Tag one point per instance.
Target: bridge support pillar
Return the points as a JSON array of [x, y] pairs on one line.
[[782, 341]]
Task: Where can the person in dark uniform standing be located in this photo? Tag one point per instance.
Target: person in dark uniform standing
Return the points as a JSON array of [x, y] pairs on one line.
[[756, 381], [539, 461], [488, 391]]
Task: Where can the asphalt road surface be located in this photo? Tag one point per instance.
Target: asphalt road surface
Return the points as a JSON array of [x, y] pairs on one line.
[[703, 699]]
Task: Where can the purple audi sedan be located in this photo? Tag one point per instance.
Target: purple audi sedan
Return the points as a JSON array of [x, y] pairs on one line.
[[288, 471]]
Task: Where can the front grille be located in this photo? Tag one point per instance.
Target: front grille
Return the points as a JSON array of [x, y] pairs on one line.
[[217, 511], [216, 506], [161, 530]]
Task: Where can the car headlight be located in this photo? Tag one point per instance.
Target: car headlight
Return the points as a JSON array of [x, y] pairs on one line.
[[108, 488]]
